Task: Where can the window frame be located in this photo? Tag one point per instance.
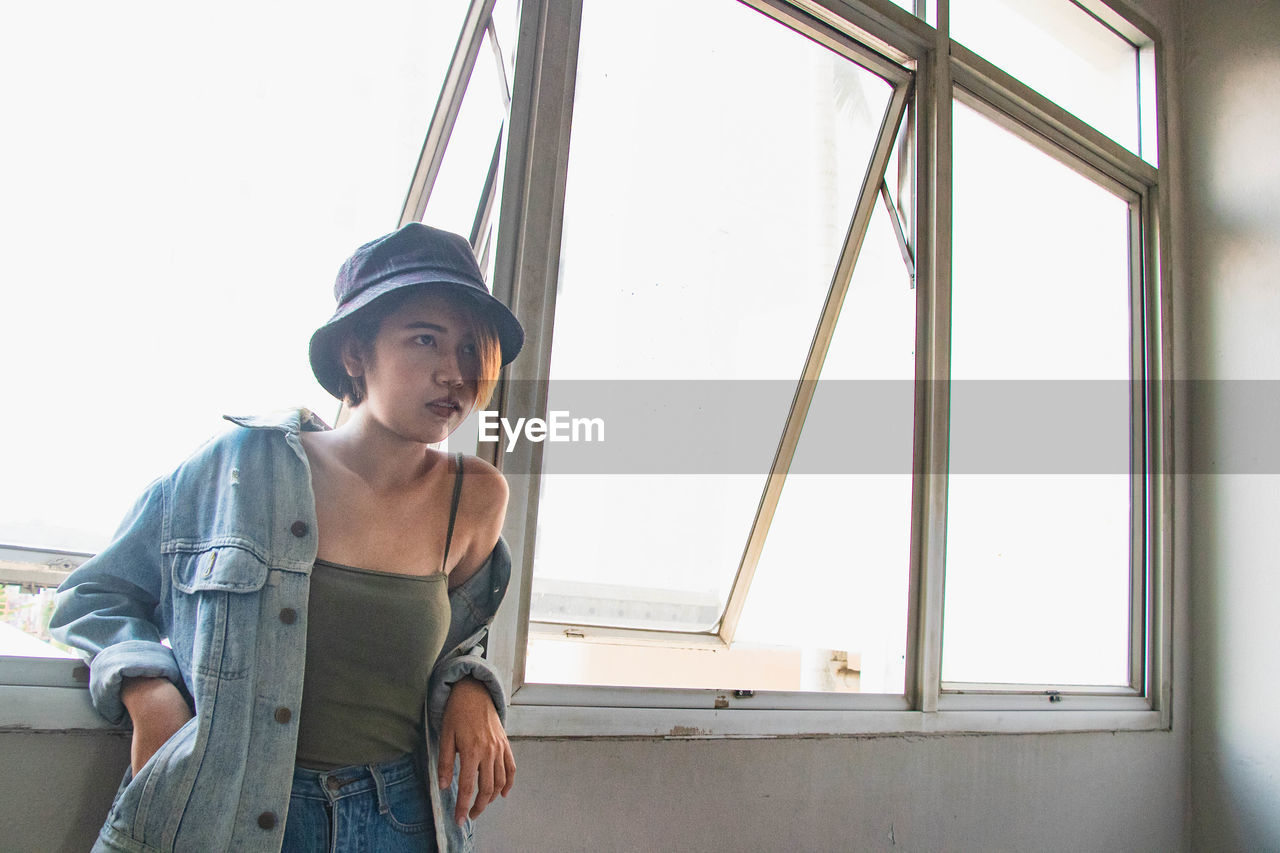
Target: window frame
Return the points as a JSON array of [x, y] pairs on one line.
[[526, 272], [50, 694]]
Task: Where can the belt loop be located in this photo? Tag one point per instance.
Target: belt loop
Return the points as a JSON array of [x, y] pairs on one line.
[[380, 783]]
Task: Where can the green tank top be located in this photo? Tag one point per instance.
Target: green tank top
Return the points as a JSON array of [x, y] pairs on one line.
[[372, 640]]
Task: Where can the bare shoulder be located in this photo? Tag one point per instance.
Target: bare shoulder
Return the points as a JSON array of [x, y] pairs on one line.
[[483, 507], [318, 445], [484, 489]]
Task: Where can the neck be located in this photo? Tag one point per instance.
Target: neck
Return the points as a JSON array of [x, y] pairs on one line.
[[385, 461]]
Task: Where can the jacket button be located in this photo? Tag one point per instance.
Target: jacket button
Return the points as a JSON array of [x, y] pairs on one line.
[[283, 715], [288, 616], [299, 529], [267, 820]]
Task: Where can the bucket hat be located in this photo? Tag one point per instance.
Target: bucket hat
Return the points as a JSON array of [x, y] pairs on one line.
[[415, 254]]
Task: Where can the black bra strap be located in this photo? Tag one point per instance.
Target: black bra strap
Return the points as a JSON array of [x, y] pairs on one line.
[[453, 507]]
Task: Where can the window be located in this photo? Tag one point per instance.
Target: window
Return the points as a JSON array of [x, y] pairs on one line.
[[872, 320], [30, 578], [1039, 505], [174, 166], [730, 197]]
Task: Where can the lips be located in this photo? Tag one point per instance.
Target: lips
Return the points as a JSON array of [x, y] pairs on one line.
[[444, 406]]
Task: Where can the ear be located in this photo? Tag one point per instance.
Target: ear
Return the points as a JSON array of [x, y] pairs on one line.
[[353, 361]]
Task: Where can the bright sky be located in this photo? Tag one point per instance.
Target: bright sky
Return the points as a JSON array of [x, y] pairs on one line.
[[180, 184]]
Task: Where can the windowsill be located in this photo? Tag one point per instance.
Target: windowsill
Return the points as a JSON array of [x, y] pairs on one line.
[[40, 708], [48, 707], [566, 711], [547, 721], [40, 694], [65, 709]]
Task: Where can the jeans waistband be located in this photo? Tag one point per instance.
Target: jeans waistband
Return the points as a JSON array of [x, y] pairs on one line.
[[350, 781]]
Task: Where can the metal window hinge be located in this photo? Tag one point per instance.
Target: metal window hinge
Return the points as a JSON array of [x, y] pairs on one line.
[[899, 231]]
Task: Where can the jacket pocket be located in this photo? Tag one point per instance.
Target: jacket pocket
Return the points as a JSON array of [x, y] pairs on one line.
[[149, 807], [215, 602], [218, 569]]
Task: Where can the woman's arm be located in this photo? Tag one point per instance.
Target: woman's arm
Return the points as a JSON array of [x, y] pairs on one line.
[[483, 507], [107, 609], [473, 732], [474, 701], [158, 710]]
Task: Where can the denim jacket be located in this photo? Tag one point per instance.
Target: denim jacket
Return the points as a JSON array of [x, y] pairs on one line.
[[216, 558]]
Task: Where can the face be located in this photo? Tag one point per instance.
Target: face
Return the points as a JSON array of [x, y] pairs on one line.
[[420, 374]]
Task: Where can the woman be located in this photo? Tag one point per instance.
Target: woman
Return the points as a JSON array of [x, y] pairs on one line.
[[273, 615]]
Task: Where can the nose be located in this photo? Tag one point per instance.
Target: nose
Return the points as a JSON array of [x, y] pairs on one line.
[[449, 370]]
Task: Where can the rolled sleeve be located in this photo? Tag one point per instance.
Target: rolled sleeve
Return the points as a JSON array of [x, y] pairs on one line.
[[107, 608], [130, 659], [450, 672]]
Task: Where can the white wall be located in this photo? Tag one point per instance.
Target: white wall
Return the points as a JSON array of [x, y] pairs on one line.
[[1230, 85], [55, 789], [1081, 792]]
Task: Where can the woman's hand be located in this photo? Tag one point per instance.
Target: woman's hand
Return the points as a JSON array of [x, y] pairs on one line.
[[157, 710], [473, 732]]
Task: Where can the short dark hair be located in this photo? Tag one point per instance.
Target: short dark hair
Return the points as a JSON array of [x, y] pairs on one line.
[[364, 325]]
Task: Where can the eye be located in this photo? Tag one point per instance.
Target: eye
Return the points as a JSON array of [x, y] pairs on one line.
[[469, 349], [425, 340]]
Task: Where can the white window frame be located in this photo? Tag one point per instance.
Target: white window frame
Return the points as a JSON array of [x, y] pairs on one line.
[[50, 694], [526, 275]]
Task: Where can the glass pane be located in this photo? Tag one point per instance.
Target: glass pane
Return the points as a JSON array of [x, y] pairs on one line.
[[459, 185], [708, 199], [929, 14], [197, 216], [1147, 103], [1061, 51], [436, 40], [506, 20], [1038, 584], [845, 593], [458, 197], [24, 623]]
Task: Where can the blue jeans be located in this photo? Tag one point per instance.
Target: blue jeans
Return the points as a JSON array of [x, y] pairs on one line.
[[380, 808]]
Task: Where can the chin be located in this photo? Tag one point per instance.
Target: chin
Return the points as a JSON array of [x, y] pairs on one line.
[[436, 436], [442, 434], [423, 433]]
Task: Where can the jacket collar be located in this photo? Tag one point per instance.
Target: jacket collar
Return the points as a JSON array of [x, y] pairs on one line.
[[288, 420]]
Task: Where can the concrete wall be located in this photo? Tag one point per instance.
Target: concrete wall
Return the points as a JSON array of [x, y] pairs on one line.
[[1075, 792], [1082, 792], [55, 789], [1229, 77]]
